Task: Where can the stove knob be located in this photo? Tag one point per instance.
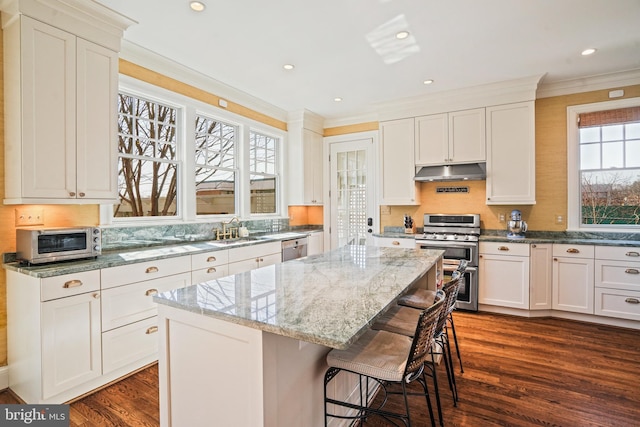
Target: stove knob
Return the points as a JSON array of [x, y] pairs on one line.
[[455, 237]]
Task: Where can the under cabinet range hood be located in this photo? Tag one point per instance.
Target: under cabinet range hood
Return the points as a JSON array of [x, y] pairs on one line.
[[461, 172]]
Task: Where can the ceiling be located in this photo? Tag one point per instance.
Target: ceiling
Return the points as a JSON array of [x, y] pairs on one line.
[[348, 49]]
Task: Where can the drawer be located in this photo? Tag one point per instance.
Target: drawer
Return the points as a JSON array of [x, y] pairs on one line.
[[573, 251], [199, 276], [618, 303], [618, 253], [130, 344], [209, 259], [127, 304], [254, 251], [504, 248], [617, 275], [69, 284], [147, 270], [388, 242]]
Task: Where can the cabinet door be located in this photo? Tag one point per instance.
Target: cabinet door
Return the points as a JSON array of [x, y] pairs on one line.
[[242, 266], [97, 108], [269, 259], [397, 163], [511, 158], [316, 243], [312, 149], [573, 284], [210, 273], [71, 346], [48, 73], [432, 139], [467, 139], [540, 276], [504, 281]]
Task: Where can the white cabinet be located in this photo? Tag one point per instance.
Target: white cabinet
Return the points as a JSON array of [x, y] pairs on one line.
[[504, 274], [305, 160], [617, 282], [573, 267], [392, 242], [397, 163], [316, 243], [54, 343], [209, 266], [254, 256], [456, 137], [60, 115], [511, 158], [540, 277]]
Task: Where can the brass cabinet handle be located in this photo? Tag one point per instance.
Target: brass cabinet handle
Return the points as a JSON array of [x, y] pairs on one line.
[[152, 330], [151, 292], [632, 300], [555, 259], [261, 259], [395, 243], [632, 271], [72, 194], [151, 270], [81, 194], [211, 270], [573, 251], [96, 295], [211, 259], [633, 253], [503, 248], [534, 246], [72, 284]]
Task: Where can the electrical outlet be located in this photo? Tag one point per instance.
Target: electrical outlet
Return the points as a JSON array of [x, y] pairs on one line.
[[501, 217], [559, 219], [29, 216]]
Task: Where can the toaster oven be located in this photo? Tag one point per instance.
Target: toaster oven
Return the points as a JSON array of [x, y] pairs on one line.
[[39, 246]]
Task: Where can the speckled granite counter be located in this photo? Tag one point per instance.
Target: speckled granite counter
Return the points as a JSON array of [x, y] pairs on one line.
[[328, 299]]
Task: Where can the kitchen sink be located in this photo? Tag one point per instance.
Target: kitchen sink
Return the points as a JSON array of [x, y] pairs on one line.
[[232, 242]]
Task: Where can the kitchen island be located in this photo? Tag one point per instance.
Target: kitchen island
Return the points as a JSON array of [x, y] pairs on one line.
[[249, 349]]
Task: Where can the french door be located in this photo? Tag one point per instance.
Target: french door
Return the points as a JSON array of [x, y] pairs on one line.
[[352, 184]]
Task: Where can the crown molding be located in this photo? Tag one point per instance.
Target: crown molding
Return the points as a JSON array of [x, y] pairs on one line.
[[589, 84]]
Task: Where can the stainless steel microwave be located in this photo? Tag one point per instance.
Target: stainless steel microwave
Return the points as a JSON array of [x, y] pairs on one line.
[[38, 246]]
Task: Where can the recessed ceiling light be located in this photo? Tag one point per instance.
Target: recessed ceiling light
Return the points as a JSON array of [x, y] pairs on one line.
[[197, 6], [337, 99], [288, 66], [589, 51], [428, 81], [400, 35]]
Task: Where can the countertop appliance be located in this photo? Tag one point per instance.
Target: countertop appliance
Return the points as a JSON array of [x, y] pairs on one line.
[[458, 236], [516, 226], [42, 245], [294, 248]]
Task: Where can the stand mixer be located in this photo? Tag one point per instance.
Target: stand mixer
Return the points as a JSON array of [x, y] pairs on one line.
[[516, 226]]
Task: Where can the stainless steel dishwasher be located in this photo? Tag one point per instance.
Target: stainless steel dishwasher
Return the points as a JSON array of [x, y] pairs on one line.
[[294, 248]]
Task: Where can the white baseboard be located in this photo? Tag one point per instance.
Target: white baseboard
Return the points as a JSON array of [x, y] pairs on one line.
[[4, 377]]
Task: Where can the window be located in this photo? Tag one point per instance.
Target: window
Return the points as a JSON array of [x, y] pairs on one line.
[[607, 167], [263, 168], [215, 167], [147, 158]]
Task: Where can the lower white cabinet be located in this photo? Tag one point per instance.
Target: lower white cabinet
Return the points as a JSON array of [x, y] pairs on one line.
[[573, 269], [617, 282], [316, 243], [391, 242], [504, 274], [209, 266], [129, 344], [254, 256], [540, 276]]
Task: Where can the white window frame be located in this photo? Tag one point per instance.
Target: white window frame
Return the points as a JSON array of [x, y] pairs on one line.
[[574, 222], [186, 203]]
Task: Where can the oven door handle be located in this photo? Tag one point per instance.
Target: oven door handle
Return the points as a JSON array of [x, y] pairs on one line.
[[453, 267], [445, 243]]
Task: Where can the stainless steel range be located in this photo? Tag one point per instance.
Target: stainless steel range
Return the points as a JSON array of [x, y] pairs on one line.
[[458, 236]]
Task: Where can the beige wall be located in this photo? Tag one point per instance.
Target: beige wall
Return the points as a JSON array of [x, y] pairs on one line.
[[551, 175]]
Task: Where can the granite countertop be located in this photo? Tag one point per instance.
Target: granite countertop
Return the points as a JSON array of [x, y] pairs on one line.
[[150, 253], [328, 299]]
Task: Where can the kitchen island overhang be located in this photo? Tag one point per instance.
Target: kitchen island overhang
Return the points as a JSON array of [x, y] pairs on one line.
[[251, 348]]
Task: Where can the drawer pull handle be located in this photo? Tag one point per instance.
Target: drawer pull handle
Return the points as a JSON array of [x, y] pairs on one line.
[[151, 292], [96, 295], [151, 270], [72, 284], [633, 253], [632, 300], [632, 271], [395, 243], [503, 248], [211, 259], [152, 330], [573, 251], [211, 270]]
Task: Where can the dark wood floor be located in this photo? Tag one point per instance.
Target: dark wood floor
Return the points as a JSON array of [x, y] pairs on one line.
[[518, 372]]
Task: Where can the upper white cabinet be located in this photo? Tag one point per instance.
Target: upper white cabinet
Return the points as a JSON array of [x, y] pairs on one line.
[[397, 164], [456, 137], [61, 104], [511, 175], [305, 160]]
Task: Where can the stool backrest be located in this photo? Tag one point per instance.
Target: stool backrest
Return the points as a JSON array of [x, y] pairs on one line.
[[423, 337], [450, 290]]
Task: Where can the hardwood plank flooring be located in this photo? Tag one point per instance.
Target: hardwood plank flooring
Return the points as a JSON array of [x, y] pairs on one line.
[[517, 372]]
